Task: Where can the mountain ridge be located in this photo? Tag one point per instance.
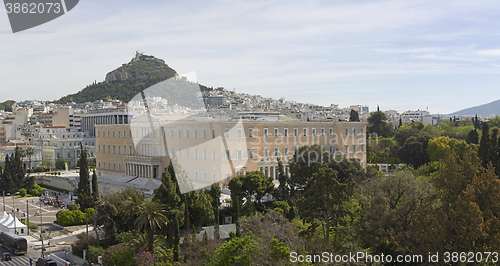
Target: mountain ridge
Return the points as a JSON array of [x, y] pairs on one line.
[[488, 109]]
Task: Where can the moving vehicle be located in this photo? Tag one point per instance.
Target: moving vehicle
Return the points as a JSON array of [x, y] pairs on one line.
[[6, 256], [15, 244], [45, 262]]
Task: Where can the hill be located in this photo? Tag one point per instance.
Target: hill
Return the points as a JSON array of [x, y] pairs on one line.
[[126, 81], [489, 109]]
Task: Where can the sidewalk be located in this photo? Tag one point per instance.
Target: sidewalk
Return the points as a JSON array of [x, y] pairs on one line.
[[37, 244]]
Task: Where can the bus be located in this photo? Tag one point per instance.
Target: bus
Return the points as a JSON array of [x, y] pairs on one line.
[[15, 244]]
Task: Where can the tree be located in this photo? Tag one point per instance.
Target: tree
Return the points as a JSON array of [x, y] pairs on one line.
[[493, 151], [29, 152], [472, 137], [151, 216], [215, 193], [61, 164], [177, 238], [377, 124], [483, 151], [388, 211], [468, 217], [95, 189], [84, 200], [354, 116], [282, 192], [437, 147], [169, 195], [414, 151], [324, 200], [253, 184]]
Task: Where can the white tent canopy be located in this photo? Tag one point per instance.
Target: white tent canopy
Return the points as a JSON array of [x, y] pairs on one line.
[[12, 225]]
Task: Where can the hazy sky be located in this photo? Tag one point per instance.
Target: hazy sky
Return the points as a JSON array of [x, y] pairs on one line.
[[444, 55]]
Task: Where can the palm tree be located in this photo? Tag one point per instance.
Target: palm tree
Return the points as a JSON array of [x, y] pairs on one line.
[[29, 152], [151, 216]]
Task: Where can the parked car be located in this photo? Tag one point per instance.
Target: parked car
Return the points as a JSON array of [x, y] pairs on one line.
[[45, 262], [6, 256]]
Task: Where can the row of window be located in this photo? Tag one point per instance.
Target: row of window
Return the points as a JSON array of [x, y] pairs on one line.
[[239, 133], [115, 149], [109, 166]]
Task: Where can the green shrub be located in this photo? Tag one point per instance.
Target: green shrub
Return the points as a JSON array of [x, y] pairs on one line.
[[32, 226], [22, 192], [119, 255], [94, 252], [65, 218], [72, 207], [35, 192]]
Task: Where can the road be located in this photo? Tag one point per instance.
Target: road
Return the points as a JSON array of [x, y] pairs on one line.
[[21, 260]]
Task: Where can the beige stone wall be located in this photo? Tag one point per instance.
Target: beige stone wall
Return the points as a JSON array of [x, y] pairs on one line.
[[204, 156]]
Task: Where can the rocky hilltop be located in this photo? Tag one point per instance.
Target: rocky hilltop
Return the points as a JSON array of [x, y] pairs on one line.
[[126, 81]]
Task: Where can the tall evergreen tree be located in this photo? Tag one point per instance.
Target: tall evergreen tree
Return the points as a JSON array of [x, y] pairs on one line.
[[17, 170], [95, 188], [483, 151], [354, 116], [7, 183], [177, 238], [472, 137], [168, 194], [84, 199], [282, 192], [215, 193], [494, 155]]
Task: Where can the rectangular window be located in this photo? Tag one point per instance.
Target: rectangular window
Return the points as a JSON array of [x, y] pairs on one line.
[[172, 133], [314, 132], [119, 148], [276, 152], [266, 152], [305, 131], [124, 133], [346, 149], [228, 155], [180, 133], [196, 175], [196, 133], [196, 154], [265, 132], [114, 149], [266, 172], [354, 148], [285, 151], [213, 177], [179, 153], [346, 132], [213, 133], [285, 132], [276, 132], [362, 148], [187, 153], [119, 135], [98, 133], [204, 133], [331, 148], [322, 132], [227, 132], [239, 132], [250, 132], [239, 154], [361, 131], [108, 133], [331, 131], [187, 133], [250, 153], [109, 149], [113, 133], [354, 131], [130, 150], [213, 155], [99, 148], [296, 132], [204, 154], [205, 176]]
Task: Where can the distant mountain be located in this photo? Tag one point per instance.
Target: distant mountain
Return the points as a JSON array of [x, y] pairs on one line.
[[489, 109], [125, 82]]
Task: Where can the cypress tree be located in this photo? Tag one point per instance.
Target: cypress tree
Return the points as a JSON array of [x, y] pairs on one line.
[[17, 170], [493, 149], [85, 199], [215, 193], [176, 238], [472, 137], [95, 189], [483, 151]]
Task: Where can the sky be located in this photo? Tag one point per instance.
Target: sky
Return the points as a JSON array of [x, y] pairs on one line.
[[401, 55]]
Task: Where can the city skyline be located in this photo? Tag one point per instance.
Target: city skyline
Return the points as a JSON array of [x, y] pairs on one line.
[[401, 56]]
